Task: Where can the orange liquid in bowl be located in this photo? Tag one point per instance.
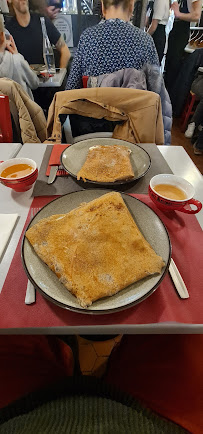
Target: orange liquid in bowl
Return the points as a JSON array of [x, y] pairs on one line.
[[17, 171], [170, 191]]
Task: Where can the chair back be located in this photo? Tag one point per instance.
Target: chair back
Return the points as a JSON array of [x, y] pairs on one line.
[[85, 80], [6, 132]]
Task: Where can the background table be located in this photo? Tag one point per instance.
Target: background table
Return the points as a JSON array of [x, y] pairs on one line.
[[55, 81], [12, 202]]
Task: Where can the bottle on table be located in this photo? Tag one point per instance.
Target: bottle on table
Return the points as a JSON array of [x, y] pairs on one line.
[[48, 53]]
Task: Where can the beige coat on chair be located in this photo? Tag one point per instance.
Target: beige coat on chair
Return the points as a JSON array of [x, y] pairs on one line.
[[30, 116], [139, 110]]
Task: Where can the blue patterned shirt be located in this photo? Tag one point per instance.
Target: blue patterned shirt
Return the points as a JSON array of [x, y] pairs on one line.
[[109, 46]]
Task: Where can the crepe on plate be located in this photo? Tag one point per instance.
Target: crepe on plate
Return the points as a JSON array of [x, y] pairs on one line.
[[107, 164], [96, 249]]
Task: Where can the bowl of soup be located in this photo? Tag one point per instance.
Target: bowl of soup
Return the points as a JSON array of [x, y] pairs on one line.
[[171, 192], [18, 173]]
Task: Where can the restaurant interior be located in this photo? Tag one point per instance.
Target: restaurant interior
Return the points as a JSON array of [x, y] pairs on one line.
[[101, 163]]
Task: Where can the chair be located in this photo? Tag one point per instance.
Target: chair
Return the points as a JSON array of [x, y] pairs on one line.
[[28, 118], [6, 132], [188, 110], [135, 114]]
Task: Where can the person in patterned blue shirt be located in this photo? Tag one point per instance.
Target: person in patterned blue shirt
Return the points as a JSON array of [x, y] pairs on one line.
[[111, 45]]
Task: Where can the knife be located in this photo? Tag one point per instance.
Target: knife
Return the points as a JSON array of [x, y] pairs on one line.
[[52, 175], [177, 280]]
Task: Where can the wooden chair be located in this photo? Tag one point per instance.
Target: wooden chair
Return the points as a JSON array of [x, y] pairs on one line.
[[6, 132]]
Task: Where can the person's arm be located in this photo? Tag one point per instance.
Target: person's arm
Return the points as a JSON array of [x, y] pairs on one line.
[[158, 15], [57, 40], [153, 26], [75, 77], [28, 75], [194, 15], [64, 52], [151, 55], [11, 46]]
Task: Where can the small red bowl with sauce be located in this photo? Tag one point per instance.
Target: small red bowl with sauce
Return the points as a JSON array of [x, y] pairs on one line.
[[18, 173]]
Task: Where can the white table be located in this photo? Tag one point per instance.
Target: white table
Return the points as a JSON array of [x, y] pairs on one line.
[[182, 165], [12, 202], [9, 150], [55, 81]]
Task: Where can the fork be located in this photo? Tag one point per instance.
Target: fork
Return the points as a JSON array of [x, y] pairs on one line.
[[61, 171], [30, 296]]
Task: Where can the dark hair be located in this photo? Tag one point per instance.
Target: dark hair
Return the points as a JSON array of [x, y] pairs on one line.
[[124, 3]]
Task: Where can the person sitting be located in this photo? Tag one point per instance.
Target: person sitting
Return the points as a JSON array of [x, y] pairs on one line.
[[25, 27], [195, 127], [13, 65], [111, 45], [153, 384]]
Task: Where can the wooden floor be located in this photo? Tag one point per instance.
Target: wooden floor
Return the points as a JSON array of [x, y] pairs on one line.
[[179, 139]]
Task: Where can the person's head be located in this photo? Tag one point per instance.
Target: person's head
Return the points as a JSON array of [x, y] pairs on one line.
[[118, 6], [2, 34], [19, 6]]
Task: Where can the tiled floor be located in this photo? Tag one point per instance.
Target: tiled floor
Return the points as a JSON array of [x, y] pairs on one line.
[[93, 355]]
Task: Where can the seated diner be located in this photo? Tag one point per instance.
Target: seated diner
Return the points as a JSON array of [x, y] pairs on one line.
[[13, 65], [111, 45], [25, 27]]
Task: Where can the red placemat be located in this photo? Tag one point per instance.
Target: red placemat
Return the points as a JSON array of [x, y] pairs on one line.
[[55, 158], [163, 305]]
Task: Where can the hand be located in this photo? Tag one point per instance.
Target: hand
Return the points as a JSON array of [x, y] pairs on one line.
[[146, 23], [11, 46], [52, 12], [175, 8]]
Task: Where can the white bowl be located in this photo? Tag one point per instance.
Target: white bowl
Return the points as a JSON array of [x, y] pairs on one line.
[[173, 180]]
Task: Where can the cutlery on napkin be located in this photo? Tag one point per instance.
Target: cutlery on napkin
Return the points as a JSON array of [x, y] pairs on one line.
[[7, 223], [54, 163]]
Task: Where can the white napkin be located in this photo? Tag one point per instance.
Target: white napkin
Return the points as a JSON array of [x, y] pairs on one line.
[[7, 223]]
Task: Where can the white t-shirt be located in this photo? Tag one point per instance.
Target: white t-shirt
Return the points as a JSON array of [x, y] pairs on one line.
[[161, 11], [189, 4]]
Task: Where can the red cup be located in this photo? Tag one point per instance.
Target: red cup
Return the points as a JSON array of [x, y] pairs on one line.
[[166, 204], [22, 183]]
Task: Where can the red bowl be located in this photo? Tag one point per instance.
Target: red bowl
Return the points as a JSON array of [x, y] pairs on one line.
[[23, 183], [166, 204]]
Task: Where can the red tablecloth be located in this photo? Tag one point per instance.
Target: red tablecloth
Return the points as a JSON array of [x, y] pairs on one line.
[[163, 305]]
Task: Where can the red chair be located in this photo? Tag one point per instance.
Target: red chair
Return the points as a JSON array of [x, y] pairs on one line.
[[6, 131], [85, 80], [189, 110]]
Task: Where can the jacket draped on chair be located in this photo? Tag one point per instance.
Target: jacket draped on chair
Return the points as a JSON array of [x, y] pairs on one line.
[[26, 112], [139, 111]]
